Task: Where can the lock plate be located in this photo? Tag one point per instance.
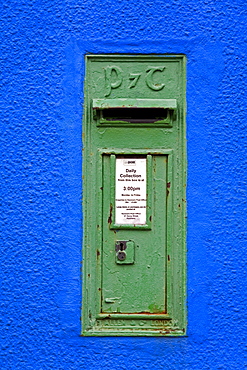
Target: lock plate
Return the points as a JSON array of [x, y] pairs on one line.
[[125, 252]]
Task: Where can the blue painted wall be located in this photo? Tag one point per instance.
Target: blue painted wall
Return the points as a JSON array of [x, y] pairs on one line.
[[43, 44]]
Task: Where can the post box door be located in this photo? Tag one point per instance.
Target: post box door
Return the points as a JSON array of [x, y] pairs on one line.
[[136, 281]]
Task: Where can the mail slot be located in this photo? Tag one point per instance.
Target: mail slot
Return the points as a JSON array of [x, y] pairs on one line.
[[142, 112], [134, 178]]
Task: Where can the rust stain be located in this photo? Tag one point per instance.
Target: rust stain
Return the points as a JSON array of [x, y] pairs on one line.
[[168, 185], [110, 217], [107, 317], [146, 313], [168, 257], [98, 253]]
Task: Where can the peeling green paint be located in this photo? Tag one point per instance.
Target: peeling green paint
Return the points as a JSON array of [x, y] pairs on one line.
[[153, 308]]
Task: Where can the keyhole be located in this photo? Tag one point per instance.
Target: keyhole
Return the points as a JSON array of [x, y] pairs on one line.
[[120, 249]]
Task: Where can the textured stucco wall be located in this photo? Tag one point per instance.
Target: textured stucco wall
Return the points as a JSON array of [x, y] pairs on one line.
[[42, 69]]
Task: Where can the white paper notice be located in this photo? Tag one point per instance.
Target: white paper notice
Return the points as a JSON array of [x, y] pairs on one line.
[[131, 189]]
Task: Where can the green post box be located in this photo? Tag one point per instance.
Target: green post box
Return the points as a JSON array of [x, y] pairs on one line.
[[134, 196]]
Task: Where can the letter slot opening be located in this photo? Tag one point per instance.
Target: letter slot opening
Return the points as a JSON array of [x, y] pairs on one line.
[[136, 112], [135, 115]]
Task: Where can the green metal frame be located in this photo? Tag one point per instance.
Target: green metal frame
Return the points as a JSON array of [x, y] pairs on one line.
[[95, 322]]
